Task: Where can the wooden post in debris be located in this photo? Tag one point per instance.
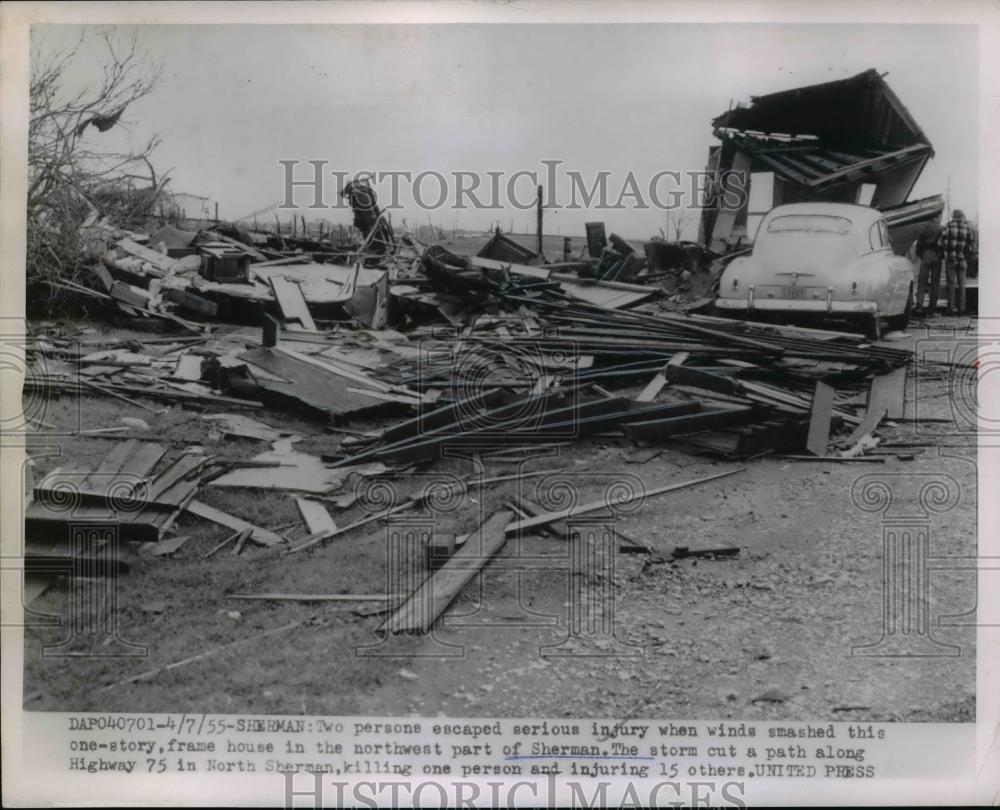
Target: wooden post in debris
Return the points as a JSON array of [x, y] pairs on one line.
[[539, 220], [216, 213], [567, 248]]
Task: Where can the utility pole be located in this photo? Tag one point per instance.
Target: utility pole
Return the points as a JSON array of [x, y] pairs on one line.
[[539, 220]]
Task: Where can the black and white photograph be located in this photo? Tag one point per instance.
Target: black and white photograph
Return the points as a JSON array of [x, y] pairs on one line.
[[586, 381]]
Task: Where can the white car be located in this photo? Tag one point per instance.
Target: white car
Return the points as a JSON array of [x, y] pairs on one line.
[[821, 261]]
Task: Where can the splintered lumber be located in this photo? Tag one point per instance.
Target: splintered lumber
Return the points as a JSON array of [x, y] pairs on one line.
[[316, 518], [189, 300], [418, 613], [527, 508], [168, 546], [819, 420], [835, 459], [237, 536], [593, 506], [873, 418], [291, 302], [707, 419], [653, 387], [119, 490], [312, 384], [316, 597], [188, 367], [409, 504], [258, 535], [470, 407], [241, 541], [889, 391]]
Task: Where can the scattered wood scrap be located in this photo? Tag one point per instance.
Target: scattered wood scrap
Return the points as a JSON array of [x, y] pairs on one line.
[[258, 535], [419, 612], [121, 490], [316, 518], [604, 503], [819, 420]]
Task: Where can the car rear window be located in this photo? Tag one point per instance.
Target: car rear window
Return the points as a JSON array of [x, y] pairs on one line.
[[809, 223]]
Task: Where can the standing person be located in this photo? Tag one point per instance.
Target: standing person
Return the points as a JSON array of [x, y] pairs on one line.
[[930, 267], [956, 244]]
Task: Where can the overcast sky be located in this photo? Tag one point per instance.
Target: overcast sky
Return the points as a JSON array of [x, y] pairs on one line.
[[234, 100]]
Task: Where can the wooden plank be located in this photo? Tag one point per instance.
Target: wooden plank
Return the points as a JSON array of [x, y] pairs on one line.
[[428, 602], [190, 301], [316, 518], [259, 535], [97, 481], [237, 536], [311, 385], [291, 302], [130, 295], [161, 263], [710, 418], [835, 459], [593, 506], [72, 473], [333, 366], [103, 275], [315, 597], [655, 385], [253, 253], [143, 460], [188, 367], [868, 424], [819, 419], [889, 391], [168, 546], [165, 482]]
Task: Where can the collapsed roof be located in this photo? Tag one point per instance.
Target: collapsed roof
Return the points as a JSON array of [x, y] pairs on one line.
[[822, 142], [861, 111]]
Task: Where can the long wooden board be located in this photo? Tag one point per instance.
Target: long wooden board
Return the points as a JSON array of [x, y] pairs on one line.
[[593, 506], [316, 518], [819, 419], [291, 302], [262, 536], [889, 391], [428, 602]]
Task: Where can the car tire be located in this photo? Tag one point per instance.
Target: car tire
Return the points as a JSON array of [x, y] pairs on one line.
[[901, 321]]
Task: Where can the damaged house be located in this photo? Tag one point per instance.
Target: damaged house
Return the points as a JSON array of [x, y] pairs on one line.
[[849, 141]]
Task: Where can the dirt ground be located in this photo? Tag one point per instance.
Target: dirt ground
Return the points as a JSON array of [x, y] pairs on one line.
[[767, 634]]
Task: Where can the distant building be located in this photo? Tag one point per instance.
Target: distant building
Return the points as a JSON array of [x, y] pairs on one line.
[[181, 205]]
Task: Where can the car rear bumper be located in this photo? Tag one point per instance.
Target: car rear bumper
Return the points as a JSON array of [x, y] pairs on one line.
[[748, 304]]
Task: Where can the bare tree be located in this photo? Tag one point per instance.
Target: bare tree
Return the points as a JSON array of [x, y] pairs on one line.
[[71, 179], [676, 223]]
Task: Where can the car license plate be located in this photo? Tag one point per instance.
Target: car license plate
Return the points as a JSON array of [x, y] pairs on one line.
[[794, 293]]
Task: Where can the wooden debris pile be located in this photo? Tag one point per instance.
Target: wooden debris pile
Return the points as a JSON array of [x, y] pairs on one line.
[[539, 368]]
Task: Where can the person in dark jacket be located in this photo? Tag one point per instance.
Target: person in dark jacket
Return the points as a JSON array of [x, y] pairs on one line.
[[956, 245], [930, 267]]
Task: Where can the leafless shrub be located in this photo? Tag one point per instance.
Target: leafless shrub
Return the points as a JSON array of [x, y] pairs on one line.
[[72, 181]]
